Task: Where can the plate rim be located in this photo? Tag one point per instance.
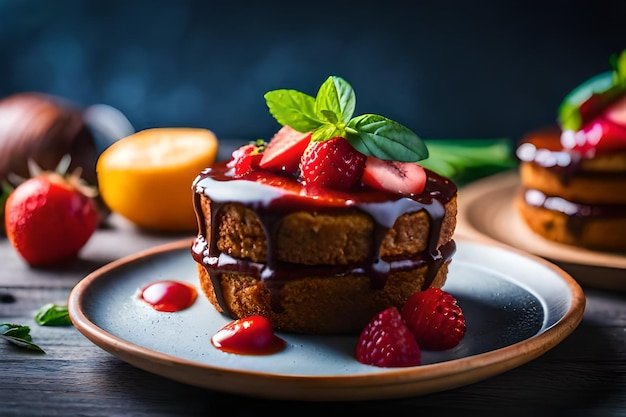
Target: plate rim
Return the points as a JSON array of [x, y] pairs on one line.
[[591, 268], [392, 383]]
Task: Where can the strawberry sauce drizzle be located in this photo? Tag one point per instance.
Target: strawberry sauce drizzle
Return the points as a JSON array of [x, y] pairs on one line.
[[273, 197], [169, 295]]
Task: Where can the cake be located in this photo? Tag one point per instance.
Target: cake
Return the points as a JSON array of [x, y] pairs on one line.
[[573, 173], [317, 232]]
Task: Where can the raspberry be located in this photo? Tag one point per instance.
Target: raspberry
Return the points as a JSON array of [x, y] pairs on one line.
[[387, 342], [333, 163], [435, 319]]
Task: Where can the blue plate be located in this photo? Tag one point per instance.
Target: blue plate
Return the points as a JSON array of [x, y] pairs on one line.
[[517, 307]]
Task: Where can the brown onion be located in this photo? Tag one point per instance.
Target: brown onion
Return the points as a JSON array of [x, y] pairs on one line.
[[43, 128]]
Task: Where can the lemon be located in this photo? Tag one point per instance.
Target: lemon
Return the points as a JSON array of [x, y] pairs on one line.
[[147, 177]]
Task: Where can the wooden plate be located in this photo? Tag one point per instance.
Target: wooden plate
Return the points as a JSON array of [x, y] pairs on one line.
[[487, 213]]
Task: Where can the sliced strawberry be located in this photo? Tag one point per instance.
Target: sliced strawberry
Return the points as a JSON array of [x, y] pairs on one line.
[[333, 163], [252, 335], [386, 341], [399, 177], [435, 319], [284, 151], [247, 158]]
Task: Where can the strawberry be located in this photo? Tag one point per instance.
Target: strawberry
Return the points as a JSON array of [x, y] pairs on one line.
[[284, 150], [247, 157], [386, 341], [616, 113], [435, 319], [50, 217], [250, 335], [399, 177], [600, 135], [333, 163]]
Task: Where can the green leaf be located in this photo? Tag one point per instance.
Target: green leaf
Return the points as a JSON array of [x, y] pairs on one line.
[[337, 96], [593, 95], [293, 108], [53, 315], [330, 116], [570, 116], [326, 132], [18, 335], [465, 160], [377, 136]]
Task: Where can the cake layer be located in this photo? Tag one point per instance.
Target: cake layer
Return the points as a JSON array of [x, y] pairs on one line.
[[581, 186], [317, 304], [334, 237], [600, 227]]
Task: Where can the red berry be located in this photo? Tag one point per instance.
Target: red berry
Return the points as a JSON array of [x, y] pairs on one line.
[[333, 163], [435, 319], [48, 219], [387, 342], [399, 177], [252, 335], [616, 113], [283, 152], [247, 158]]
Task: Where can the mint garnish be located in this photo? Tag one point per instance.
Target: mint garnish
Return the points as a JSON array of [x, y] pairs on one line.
[[592, 96], [53, 315], [330, 114], [18, 335]]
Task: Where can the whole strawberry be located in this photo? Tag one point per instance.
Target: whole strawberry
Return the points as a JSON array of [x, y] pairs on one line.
[[332, 163], [386, 341], [435, 319], [49, 218]]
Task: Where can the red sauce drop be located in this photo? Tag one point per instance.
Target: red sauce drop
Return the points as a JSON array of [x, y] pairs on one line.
[[252, 335], [169, 296]]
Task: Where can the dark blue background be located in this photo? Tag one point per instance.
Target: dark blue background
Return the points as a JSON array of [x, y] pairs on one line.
[[446, 69]]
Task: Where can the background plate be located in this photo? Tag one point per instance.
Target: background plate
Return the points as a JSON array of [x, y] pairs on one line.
[[517, 307], [487, 213]]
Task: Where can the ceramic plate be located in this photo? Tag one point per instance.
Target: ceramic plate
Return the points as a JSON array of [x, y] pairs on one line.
[[487, 213], [516, 306]]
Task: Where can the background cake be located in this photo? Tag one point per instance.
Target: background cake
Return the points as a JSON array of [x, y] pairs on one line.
[[573, 174], [318, 233]]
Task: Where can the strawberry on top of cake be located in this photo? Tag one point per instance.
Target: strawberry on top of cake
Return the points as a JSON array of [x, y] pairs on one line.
[[328, 223]]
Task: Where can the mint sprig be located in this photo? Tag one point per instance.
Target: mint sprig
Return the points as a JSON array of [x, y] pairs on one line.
[[330, 114], [593, 95], [53, 315], [18, 335]]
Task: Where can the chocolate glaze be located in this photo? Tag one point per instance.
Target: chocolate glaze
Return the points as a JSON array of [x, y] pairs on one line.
[[543, 147], [273, 196], [577, 213]]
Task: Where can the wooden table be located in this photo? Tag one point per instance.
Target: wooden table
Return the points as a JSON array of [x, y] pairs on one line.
[[584, 375]]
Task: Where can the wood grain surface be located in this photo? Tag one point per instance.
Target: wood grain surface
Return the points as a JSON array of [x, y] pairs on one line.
[[584, 375]]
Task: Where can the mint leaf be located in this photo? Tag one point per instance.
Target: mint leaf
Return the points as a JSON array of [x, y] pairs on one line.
[[326, 132], [293, 108], [337, 96], [592, 96], [382, 138], [329, 114], [18, 335], [53, 315]]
